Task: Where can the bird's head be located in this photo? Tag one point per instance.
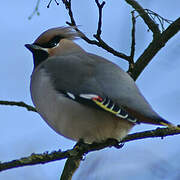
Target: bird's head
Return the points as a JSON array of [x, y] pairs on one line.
[[54, 42]]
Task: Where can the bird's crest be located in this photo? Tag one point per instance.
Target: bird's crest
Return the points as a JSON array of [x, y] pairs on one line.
[[63, 32]]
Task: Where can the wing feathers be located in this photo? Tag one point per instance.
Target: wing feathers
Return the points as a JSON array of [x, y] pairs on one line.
[[105, 104]]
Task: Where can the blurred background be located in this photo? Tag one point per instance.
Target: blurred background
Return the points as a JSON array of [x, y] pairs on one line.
[[23, 132]]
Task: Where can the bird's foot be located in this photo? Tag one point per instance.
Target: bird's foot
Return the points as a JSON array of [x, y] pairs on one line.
[[115, 143]]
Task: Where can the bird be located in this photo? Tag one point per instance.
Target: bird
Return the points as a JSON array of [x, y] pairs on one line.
[[81, 95]]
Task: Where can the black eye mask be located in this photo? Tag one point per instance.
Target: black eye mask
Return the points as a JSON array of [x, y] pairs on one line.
[[52, 43]]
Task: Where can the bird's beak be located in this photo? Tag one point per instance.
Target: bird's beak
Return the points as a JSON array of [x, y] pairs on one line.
[[33, 48]]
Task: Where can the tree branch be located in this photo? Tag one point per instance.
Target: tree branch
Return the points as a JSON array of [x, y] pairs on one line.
[[71, 165], [84, 149], [159, 39], [68, 7], [99, 42], [135, 69], [173, 29], [20, 104], [154, 48]]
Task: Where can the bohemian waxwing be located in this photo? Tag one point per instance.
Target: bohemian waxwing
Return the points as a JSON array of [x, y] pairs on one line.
[[82, 95]]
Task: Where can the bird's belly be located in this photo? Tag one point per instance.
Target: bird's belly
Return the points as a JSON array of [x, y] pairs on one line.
[[72, 119]]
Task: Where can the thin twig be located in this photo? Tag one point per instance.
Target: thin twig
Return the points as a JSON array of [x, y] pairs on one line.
[[100, 8], [68, 7], [161, 19], [84, 149], [20, 104], [133, 42], [48, 6], [36, 10]]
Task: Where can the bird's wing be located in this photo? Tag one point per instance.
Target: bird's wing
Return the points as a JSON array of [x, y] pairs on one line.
[[96, 82]]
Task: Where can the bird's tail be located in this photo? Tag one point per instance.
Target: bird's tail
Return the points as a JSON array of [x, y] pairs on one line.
[[168, 124]]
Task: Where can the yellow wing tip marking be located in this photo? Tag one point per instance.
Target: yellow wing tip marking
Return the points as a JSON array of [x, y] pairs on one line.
[[104, 107], [109, 106], [172, 126]]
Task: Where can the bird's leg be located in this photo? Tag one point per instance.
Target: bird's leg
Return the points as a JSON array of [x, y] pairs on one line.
[[79, 146]]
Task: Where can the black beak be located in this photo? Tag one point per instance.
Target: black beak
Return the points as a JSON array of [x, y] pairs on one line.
[[33, 47], [39, 53]]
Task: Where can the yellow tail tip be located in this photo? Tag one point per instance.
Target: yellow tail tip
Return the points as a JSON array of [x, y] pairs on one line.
[[172, 126]]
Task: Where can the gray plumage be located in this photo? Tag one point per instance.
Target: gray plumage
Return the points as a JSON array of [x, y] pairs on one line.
[[83, 73]]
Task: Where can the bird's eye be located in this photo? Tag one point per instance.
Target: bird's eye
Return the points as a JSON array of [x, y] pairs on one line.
[[52, 43]]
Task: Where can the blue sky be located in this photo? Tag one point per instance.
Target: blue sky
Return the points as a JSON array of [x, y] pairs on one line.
[[23, 132]]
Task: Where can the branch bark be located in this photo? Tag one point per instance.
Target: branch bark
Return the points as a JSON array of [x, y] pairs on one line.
[[100, 9], [71, 165], [20, 104], [84, 149]]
